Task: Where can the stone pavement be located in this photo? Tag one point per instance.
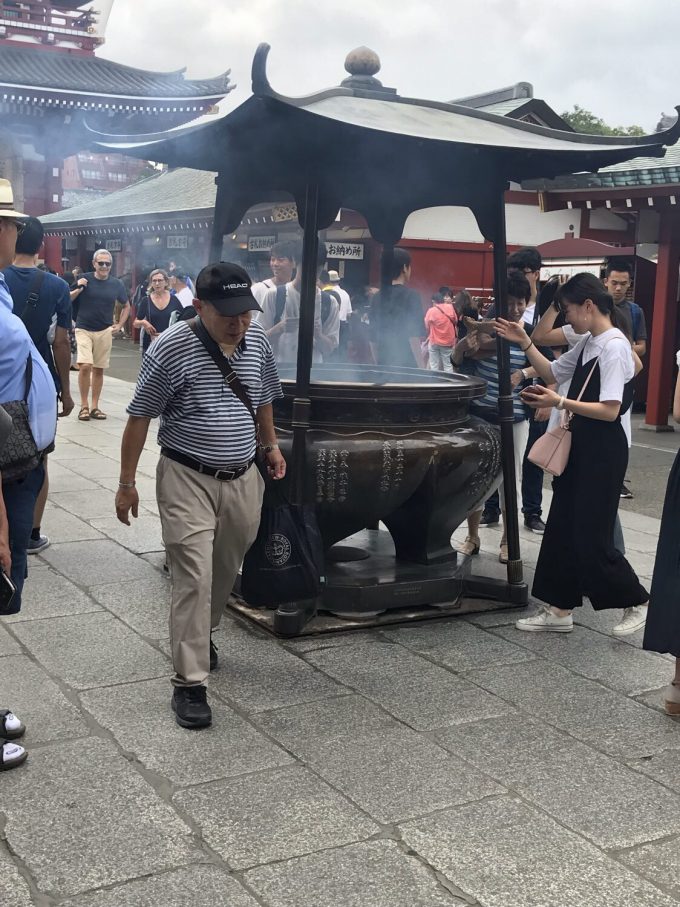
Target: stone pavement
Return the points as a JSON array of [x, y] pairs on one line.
[[446, 763]]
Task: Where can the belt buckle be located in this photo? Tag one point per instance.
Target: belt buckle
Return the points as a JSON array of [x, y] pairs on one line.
[[224, 475]]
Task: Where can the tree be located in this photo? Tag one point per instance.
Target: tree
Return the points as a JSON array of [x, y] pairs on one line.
[[583, 120]]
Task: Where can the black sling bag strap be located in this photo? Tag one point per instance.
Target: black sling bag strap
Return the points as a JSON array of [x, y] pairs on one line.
[[221, 361], [33, 294]]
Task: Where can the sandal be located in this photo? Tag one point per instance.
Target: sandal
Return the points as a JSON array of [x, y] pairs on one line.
[[84, 414], [503, 555], [96, 413], [470, 546], [11, 727], [11, 755]]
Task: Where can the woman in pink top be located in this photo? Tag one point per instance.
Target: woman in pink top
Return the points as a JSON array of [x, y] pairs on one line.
[[440, 321]]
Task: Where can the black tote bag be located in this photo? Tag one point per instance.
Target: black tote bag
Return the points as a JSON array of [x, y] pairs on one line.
[[285, 562]]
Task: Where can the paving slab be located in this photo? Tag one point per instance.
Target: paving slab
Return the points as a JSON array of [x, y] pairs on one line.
[[95, 563], [81, 817], [502, 618], [604, 719], [603, 658], [505, 854], [87, 505], [144, 604], [91, 650], [14, 892], [658, 862], [48, 594], [662, 767], [458, 644], [205, 885], [256, 673], [372, 874], [273, 815], [411, 688], [62, 526], [604, 622], [63, 479], [8, 645], [94, 466], [587, 791], [141, 536], [48, 715], [140, 718], [388, 770]]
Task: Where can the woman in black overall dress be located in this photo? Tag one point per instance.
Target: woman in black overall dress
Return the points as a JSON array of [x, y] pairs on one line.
[[662, 633], [577, 556]]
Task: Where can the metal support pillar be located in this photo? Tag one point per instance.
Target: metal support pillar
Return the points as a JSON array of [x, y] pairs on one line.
[[221, 201]]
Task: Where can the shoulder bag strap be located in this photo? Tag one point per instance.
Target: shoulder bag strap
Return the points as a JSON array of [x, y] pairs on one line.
[[595, 361], [33, 294], [28, 379], [222, 363]]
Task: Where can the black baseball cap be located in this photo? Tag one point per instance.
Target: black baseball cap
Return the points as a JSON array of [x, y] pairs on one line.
[[226, 286]]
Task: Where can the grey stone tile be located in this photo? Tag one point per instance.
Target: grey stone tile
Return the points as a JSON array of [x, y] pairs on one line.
[[62, 526], [8, 645], [141, 536], [256, 673], [662, 767], [146, 486], [606, 720], [38, 701], [91, 650], [144, 604], [63, 479], [274, 815], [94, 466], [47, 594], [330, 640], [205, 885], [388, 770], [14, 892], [81, 817], [604, 622], [417, 692], [503, 853], [88, 505], [588, 792], [65, 450], [502, 618], [659, 862], [96, 563], [458, 644], [371, 874], [139, 717], [157, 560], [597, 657]]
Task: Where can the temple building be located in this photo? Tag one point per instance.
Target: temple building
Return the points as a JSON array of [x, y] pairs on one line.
[[54, 89]]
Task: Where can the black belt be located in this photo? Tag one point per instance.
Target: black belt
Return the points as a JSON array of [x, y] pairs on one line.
[[224, 475]]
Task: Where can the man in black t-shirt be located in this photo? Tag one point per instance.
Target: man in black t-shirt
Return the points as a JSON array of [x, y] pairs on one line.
[[397, 321], [97, 294]]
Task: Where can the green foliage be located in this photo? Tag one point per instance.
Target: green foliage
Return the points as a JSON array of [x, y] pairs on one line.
[[584, 121]]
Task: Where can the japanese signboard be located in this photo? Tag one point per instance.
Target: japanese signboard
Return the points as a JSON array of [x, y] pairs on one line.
[[351, 250], [177, 242], [260, 243]]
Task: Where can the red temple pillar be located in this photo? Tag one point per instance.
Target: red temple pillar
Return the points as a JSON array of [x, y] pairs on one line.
[[662, 344]]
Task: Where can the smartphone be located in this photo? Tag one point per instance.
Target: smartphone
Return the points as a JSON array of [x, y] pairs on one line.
[[7, 592]]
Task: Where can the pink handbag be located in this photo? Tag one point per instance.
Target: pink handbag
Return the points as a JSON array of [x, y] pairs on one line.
[[551, 451]]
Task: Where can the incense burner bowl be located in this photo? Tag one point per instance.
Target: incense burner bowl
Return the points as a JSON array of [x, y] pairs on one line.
[[396, 445]]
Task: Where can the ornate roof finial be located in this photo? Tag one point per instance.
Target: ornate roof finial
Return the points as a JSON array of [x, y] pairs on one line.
[[362, 64]]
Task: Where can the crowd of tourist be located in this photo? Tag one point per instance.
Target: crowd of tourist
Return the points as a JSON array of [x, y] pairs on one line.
[[209, 371]]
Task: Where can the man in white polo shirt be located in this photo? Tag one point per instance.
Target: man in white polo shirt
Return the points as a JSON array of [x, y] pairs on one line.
[[209, 492]]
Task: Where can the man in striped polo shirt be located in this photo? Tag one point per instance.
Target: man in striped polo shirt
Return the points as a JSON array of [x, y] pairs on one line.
[[209, 493]]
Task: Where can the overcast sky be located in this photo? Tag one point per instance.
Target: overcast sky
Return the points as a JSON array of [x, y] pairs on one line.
[[618, 58]]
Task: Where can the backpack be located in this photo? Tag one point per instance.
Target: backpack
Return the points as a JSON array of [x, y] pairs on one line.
[[636, 318]]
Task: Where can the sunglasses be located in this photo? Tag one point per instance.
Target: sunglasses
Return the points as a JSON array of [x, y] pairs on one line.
[[102, 264]]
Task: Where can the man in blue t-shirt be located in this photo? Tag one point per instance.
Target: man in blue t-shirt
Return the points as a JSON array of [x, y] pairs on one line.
[[95, 297], [43, 303]]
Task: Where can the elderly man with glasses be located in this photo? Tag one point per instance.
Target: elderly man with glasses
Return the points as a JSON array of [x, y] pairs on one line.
[[95, 298]]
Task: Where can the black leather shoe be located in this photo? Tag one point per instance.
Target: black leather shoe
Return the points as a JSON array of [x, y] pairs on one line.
[[214, 661], [190, 705], [490, 518]]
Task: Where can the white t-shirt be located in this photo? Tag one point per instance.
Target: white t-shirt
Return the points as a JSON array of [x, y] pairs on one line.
[[616, 367], [345, 303], [185, 296], [286, 349], [528, 316]]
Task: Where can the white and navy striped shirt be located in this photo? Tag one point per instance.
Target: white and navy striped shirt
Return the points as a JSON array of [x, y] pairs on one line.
[[488, 370], [200, 416]]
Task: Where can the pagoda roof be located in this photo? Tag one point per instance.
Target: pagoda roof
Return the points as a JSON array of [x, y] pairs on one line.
[[168, 195], [71, 75]]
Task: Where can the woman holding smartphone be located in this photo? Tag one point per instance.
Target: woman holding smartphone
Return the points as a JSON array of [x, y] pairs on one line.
[[662, 633], [577, 556]]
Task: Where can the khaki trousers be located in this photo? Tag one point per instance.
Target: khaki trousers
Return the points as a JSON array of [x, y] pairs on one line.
[[208, 526]]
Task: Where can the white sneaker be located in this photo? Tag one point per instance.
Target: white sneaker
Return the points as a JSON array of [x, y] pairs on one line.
[[545, 621], [633, 619]]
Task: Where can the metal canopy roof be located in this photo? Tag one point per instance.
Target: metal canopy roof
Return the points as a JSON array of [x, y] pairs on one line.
[[369, 149]]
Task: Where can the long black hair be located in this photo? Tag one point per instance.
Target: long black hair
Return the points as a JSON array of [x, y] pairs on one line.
[[585, 286]]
